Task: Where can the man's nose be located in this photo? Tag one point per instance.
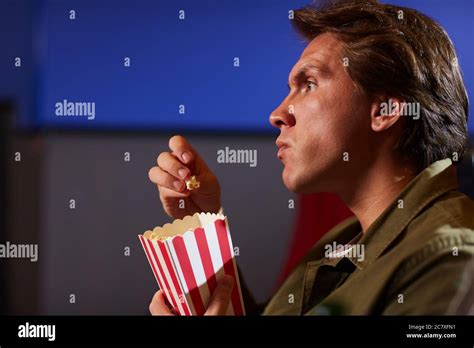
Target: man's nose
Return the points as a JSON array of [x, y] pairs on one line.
[[284, 115]]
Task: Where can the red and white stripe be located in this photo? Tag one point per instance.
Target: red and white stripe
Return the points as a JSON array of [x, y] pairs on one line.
[[188, 267]]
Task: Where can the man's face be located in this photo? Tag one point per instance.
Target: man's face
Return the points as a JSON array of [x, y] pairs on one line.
[[323, 121]]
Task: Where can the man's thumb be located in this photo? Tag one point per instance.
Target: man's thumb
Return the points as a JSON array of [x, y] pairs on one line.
[[221, 298]]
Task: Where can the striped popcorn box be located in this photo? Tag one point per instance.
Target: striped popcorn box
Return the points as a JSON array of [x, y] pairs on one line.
[[188, 257]]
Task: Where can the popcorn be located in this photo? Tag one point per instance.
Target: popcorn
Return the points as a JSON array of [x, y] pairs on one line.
[[188, 257], [192, 183], [155, 236]]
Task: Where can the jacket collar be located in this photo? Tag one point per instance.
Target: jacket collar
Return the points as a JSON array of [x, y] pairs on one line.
[[431, 183]]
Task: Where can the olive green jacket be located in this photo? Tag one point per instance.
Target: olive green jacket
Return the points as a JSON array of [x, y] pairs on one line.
[[418, 258]]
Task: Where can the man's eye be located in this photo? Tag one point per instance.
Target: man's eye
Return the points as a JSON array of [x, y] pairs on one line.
[[311, 85]]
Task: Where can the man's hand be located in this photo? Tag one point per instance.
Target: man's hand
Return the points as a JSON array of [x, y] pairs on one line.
[[173, 169], [217, 305]]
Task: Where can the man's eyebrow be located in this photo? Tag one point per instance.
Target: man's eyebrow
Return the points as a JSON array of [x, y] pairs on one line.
[[312, 65]]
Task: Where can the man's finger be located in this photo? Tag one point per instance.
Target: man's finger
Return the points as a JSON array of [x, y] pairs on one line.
[[221, 298], [162, 178], [182, 149], [171, 164], [158, 305], [166, 193]]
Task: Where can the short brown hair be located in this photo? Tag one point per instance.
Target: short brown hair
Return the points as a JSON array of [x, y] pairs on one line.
[[400, 52]]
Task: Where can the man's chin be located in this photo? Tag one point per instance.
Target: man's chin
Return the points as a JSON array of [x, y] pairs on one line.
[[295, 185], [300, 185]]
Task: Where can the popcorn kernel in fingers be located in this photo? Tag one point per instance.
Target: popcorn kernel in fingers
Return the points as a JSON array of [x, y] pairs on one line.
[[192, 183]]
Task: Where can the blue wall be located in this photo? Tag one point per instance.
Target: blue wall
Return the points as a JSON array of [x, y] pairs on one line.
[[173, 62]]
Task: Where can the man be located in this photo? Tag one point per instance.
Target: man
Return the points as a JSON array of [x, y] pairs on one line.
[[376, 113]]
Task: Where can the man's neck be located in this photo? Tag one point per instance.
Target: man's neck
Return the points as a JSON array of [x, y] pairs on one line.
[[375, 190]]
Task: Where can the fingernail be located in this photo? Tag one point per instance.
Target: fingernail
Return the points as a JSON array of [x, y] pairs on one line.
[[182, 173], [177, 185], [186, 157]]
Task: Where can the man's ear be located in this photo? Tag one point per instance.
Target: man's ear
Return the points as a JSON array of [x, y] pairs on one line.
[[384, 113]]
